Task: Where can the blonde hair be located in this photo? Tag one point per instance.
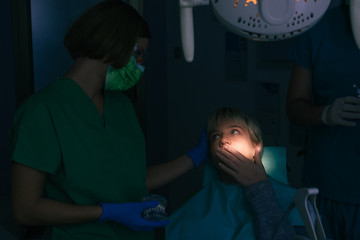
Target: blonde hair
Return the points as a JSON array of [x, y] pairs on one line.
[[237, 116]]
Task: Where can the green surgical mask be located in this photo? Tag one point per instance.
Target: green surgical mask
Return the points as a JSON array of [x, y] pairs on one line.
[[125, 77]]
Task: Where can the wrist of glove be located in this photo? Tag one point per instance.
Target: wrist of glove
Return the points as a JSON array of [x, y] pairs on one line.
[[344, 111], [199, 154], [325, 115], [130, 215]]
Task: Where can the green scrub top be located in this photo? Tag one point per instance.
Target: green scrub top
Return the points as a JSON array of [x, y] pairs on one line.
[[89, 158]]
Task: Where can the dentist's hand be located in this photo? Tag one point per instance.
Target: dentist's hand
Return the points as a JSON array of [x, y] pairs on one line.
[[342, 111], [245, 171], [200, 153], [130, 215]]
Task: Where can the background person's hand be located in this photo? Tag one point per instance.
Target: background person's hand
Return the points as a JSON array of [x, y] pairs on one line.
[[130, 215], [200, 153], [245, 171], [342, 111]]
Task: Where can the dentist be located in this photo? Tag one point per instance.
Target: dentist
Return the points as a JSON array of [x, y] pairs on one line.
[[78, 151]]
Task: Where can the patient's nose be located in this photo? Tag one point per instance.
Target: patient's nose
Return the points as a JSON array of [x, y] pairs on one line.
[[224, 140]]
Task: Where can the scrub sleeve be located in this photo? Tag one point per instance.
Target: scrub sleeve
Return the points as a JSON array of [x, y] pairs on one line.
[[88, 157]]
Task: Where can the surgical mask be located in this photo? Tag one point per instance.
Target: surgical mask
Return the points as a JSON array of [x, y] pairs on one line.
[[125, 77]]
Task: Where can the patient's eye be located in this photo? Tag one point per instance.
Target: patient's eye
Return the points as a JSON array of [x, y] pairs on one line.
[[214, 136], [235, 131]]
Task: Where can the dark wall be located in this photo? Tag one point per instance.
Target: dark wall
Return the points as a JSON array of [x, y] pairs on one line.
[[156, 82], [7, 94], [156, 99]]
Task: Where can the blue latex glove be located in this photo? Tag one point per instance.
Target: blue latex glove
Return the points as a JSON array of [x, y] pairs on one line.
[[200, 153], [130, 215]]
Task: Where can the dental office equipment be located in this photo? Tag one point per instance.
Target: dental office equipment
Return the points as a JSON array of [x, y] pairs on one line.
[[262, 20], [355, 20], [305, 202], [157, 213]]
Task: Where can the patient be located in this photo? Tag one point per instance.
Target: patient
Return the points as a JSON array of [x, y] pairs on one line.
[[240, 201]]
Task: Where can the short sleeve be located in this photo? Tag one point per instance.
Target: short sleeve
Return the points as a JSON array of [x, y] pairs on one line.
[[301, 52], [33, 140]]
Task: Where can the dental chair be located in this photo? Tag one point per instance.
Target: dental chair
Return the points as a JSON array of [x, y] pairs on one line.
[[304, 199], [305, 203], [221, 222]]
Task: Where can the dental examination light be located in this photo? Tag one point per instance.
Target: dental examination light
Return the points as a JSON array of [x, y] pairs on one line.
[[262, 20], [355, 20], [187, 26]]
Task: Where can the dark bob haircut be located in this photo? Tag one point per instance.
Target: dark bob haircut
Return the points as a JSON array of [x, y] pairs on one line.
[[108, 31]]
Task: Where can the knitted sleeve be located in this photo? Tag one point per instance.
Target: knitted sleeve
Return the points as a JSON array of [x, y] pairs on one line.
[[267, 212]]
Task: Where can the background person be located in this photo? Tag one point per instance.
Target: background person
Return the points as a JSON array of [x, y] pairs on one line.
[[323, 95]]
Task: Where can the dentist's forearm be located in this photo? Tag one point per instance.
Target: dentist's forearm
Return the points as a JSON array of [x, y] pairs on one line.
[[162, 174], [49, 212], [31, 208]]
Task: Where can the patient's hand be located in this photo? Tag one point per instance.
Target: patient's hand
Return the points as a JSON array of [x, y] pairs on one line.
[[245, 171]]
